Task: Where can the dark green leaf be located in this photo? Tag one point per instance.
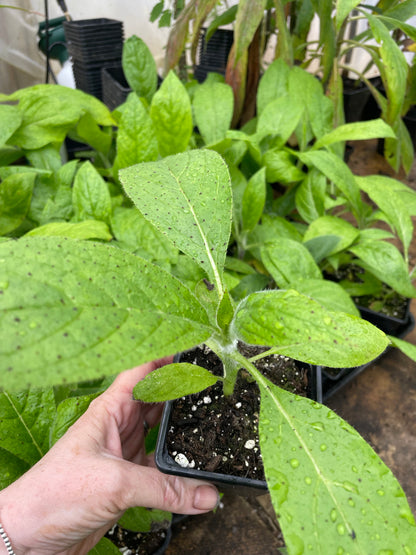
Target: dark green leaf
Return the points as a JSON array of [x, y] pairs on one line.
[[15, 197]]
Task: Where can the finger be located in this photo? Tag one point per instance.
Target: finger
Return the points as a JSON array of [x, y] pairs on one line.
[[148, 487]]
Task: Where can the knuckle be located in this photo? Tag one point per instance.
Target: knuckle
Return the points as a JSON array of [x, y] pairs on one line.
[[174, 493]]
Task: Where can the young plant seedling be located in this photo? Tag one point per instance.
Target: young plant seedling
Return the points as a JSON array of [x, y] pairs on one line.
[[75, 310]]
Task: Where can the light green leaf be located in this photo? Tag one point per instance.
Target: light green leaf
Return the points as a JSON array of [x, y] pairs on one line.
[[310, 196], [188, 198], [281, 167], [288, 261], [140, 519], [356, 131], [342, 10], [104, 547], [328, 293], [15, 198], [171, 113], [381, 191], [139, 67], [337, 171], [254, 198], [92, 134], [332, 226], [393, 67], [213, 106], [270, 228], [326, 478], [89, 229], [136, 137], [407, 348], [279, 119], [386, 262], [25, 419], [298, 327], [11, 118], [172, 382], [90, 197], [136, 233], [50, 111], [273, 84], [76, 310]]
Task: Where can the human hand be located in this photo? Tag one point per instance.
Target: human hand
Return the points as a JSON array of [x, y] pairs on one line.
[[98, 469]]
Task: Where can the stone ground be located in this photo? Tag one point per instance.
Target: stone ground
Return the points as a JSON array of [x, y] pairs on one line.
[[380, 403]]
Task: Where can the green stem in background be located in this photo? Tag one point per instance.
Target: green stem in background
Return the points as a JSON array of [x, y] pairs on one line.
[[284, 47]]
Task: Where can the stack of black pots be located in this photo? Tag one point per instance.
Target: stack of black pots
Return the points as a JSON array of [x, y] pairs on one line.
[[213, 54], [93, 44]]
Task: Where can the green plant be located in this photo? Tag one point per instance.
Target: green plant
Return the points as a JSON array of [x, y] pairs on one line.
[[77, 310], [256, 22]]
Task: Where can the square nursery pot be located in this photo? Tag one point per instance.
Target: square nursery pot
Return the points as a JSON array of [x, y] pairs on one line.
[[204, 418], [356, 97], [213, 54], [114, 86], [398, 326]]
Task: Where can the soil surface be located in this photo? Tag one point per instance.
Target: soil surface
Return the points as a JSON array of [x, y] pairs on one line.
[[139, 543], [220, 434]]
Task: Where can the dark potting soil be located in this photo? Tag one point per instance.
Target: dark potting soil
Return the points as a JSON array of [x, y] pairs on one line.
[[138, 543], [386, 302], [220, 434]]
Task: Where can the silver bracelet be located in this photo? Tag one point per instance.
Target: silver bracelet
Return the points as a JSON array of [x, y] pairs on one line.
[[6, 540]]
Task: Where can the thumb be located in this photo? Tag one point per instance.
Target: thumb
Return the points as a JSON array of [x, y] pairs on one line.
[[148, 487]]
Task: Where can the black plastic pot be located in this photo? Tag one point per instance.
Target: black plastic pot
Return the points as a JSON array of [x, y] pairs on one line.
[[213, 54], [225, 482], [355, 100], [115, 88], [410, 122], [391, 325]]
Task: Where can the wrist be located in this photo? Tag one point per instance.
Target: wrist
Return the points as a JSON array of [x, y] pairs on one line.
[[5, 543]]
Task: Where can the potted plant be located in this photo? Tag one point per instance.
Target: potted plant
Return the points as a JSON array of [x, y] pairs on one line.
[[150, 313]]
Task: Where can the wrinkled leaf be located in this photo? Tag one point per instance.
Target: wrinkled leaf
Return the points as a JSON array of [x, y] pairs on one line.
[[299, 327], [328, 293], [333, 226], [188, 198], [75, 310], [362, 130], [11, 118], [89, 229]]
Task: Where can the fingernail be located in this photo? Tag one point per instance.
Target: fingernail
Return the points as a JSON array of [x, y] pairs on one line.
[[206, 498]]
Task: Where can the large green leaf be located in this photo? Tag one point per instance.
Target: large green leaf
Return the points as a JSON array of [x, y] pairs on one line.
[[213, 106], [188, 198], [15, 198], [11, 118], [299, 327], [362, 130], [329, 294], [331, 492], [73, 311], [287, 261], [88, 229], [90, 196], [386, 262], [254, 198], [279, 118], [139, 67], [172, 382], [332, 226], [391, 203], [136, 137], [310, 196], [50, 111], [172, 116], [25, 419], [273, 84]]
